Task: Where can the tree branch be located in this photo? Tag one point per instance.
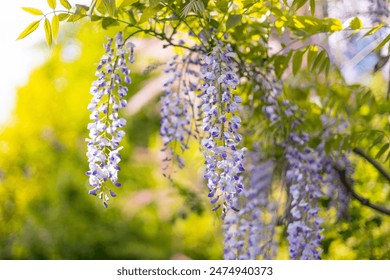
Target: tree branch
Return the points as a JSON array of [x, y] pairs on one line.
[[373, 162], [364, 201]]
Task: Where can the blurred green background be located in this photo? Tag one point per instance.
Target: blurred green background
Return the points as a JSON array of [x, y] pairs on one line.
[[46, 213]]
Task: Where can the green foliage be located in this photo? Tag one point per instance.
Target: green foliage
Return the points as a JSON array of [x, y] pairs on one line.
[[316, 86], [46, 212]]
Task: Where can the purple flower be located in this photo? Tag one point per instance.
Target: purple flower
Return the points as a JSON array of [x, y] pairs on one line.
[[176, 109], [250, 234], [105, 128], [218, 110]]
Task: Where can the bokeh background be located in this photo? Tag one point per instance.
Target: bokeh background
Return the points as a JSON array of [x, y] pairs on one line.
[[46, 213]]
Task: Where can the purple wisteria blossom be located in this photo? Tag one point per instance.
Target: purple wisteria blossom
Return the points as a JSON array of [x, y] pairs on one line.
[[335, 190], [250, 234], [176, 109], [218, 108], [105, 128], [304, 178]]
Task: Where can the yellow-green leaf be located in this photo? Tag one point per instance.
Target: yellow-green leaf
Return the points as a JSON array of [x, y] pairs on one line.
[[356, 23], [312, 7], [311, 55], [66, 4], [318, 60], [63, 16], [373, 30], [55, 24], [52, 3], [125, 3], [148, 13], [33, 11], [336, 25], [297, 61], [384, 148], [233, 20], [49, 39], [29, 29], [381, 44], [110, 7]]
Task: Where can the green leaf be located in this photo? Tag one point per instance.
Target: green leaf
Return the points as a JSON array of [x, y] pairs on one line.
[[373, 30], [49, 39], [154, 3], [382, 150], [147, 14], [52, 3], [297, 4], [232, 21], [29, 29], [222, 5], [325, 65], [110, 7], [107, 22], [356, 23], [33, 11], [318, 60], [66, 4], [311, 55], [297, 61], [376, 141], [381, 44], [312, 7], [63, 16], [55, 23], [80, 12], [214, 23], [125, 3]]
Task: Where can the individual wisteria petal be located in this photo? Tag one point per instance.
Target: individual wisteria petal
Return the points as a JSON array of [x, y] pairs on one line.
[[218, 111], [177, 109], [105, 129]]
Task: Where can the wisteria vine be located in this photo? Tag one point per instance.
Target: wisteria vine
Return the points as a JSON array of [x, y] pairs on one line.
[[201, 98]]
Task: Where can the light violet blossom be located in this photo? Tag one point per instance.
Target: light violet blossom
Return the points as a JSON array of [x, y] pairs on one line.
[[177, 109], [105, 129], [219, 106]]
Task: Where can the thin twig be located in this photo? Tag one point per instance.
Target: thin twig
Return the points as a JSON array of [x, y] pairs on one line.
[[374, 163], [364, 201]]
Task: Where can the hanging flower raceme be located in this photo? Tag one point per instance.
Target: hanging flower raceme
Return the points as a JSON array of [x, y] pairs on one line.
[[105, 129], [218, 109], [250, 234], [304, 179], [333, 164], [177, 109]]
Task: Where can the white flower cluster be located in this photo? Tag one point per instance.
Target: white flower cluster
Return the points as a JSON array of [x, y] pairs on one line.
[[220, 122], [105, 128]]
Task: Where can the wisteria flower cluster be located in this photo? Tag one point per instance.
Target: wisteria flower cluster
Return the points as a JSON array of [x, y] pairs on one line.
[[303, 176], [200, 99], [218, 109], [304, 179], [177, 108], [105, 129], [250, 234]]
